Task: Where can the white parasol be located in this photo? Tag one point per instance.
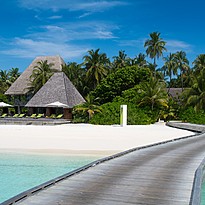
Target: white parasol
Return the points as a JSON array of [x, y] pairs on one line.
[[57, 104], [3, 104]]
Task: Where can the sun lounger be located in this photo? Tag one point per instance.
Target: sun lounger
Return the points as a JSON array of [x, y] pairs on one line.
[[21, 115], [33, 116], [40, 115], [53, 116], [59, 116], [4, 115], [16, 115]]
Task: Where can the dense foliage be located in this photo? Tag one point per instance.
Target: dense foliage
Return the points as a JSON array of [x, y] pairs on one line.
[[115, 83], [191, 116], [107, 83], [111, 115], [40, 75]]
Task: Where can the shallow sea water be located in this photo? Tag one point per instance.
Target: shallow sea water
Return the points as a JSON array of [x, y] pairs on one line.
[[20, 172]]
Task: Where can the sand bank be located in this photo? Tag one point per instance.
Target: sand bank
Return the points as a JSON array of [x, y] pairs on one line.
[[83, 138]]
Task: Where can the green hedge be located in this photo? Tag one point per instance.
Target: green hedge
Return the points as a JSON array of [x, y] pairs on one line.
[[191, 116], [111, 115]]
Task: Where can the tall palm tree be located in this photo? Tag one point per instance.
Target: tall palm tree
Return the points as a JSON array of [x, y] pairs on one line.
[[40, 75], [154, 93], [182, 64], [199, 63], [155, 46], [96, 66], [170, 67]]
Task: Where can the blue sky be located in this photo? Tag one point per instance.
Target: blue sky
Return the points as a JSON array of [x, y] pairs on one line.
[[68, 28]]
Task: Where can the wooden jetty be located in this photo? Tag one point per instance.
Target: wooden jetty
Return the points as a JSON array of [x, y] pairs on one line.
[[161, 174]]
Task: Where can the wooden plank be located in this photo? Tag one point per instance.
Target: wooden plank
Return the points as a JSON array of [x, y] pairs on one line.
[[158, 175]]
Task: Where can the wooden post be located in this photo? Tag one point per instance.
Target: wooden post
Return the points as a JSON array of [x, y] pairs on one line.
[[67, 112], [48, 111], [30, 110]]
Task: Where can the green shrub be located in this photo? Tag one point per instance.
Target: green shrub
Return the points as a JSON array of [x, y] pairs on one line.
[[191, 116], [3, 98], [79, 117], [111, 115], [137, 116]]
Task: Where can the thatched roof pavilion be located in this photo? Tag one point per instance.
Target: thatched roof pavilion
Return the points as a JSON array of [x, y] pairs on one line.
[[20, 86], [175, 93], [57, 88]]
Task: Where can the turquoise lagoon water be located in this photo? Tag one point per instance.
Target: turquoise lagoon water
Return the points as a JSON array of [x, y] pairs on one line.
[[20, 172]]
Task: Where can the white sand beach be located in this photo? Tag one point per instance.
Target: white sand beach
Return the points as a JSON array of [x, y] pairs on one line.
[[83, 138]]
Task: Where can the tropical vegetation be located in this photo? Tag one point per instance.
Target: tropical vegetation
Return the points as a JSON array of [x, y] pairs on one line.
[[41, 73], [106, 83]]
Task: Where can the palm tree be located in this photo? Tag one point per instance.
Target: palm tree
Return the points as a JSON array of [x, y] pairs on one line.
[[4, 80], [154, 93], [96, 66], [88, 107], [140, 60], [76, 74], [14, 74], [182, 64], [151, 67], [155, 46], [121, 60], [195, 96], [199, 63], [40, 75], [170, 67]]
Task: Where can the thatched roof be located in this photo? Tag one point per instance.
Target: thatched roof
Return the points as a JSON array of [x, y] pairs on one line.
[[20, 86], [57, 88], [175, 92]]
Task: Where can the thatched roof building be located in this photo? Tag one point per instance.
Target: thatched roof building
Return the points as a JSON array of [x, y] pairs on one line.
[[20, 86], [57, 88], [175, 93]]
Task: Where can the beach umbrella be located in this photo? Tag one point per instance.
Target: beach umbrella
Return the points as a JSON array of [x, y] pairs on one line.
[[57, 104], [3, 104]]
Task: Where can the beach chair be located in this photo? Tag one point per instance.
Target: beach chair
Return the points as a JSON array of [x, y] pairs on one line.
[[33, 116], [40, 115], [59, 116], [53, 116], [21, 115], [4, 115], [16, 115]]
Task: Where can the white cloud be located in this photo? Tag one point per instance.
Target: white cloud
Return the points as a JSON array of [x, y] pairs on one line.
[[171, 45], [176, 45], [75, 31], [85, 14], [28, 48], [55, 17], [96, 6], [59, 39], [77, 5], [132, 43]]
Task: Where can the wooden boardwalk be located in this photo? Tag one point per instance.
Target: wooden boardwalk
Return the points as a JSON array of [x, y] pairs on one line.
[[161, 174]]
